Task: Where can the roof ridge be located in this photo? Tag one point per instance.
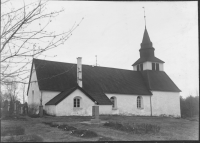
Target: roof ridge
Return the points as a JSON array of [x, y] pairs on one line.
[[84, 65]]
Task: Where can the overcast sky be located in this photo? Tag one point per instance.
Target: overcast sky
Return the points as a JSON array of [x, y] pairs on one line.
[[114, 30]]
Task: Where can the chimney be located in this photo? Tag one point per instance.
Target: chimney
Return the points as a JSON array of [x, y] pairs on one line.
[[79, 71]]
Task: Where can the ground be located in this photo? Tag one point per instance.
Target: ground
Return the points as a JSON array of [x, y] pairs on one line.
[[34, 129]]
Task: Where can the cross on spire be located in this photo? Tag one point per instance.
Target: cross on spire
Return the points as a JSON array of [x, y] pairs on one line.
[[144, 17]]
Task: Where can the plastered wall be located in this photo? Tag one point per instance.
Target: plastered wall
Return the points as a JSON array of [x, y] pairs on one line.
[[105, 109], [48, 95], [66, 107], [127, 105], [165, 103], [50, 109], [34, 100]]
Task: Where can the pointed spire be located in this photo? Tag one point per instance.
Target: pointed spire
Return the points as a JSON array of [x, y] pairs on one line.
[[146, 42], [146, 38]]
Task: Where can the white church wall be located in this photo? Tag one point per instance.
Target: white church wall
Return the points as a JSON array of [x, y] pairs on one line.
[[105, 109], [127, 105], [165, 103], [135, 68], [161, 66], [66, 106], [48, 95], [50, 109], [147, 66], [34, 100]]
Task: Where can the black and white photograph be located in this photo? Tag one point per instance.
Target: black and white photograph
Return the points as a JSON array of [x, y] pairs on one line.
[[99, 71]]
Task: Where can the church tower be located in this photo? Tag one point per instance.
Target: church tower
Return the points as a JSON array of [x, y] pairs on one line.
[[147, 60]]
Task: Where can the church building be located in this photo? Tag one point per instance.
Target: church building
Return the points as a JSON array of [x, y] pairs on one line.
[[66, 89]]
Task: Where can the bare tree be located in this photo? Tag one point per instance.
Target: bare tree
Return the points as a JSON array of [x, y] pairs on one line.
[[11, 89], [24, 36]]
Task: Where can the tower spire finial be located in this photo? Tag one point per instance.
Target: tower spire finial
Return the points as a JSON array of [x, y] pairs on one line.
[[144, 17]]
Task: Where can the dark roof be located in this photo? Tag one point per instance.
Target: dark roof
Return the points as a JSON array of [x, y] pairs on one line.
[[57, 99], [150, 59], [57, 76], [101, 98], [159, 81], [146, 38]]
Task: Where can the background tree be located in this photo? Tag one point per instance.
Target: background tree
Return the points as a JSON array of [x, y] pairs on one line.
[[24, 35], [189, 106]]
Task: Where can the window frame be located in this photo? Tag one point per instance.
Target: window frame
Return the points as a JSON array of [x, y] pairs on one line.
[[141, 67], [140, 102], [77, 102], [138, 68], [113, 99], [153, 66], [157, 67]]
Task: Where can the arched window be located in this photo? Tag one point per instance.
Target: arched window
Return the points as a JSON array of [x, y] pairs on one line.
[[139, 102], [114, 102], [77, 102]]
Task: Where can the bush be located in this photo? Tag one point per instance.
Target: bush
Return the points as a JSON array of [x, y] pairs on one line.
[[33, 109], [135, 128], [34, 115], [74, 131], [84, 133]]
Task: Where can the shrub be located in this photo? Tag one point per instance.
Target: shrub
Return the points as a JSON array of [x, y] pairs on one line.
[[33, 109], [74, 131], [34, 115], [135, 128], [84, 133]]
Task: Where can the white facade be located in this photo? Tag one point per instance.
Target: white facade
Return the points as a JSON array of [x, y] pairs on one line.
[[160, 103], [127, 105], [47, 96], [105, 109], [34, 94], [165, 103], [66, 106]]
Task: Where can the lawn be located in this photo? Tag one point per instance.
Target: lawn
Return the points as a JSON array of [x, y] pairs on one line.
[[113, 128]]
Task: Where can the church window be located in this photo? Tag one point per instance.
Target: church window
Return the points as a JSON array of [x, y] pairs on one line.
[[139, 102], [153, 67], [114, 102], [141, 67], [77, 102], [138, 67], [157, 66]]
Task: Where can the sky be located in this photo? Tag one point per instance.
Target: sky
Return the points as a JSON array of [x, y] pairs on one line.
[[114, 30]]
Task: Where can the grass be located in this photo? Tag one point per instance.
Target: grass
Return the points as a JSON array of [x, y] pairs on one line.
[[12, 117], [71, 129], [23, 138], [10, 131]]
